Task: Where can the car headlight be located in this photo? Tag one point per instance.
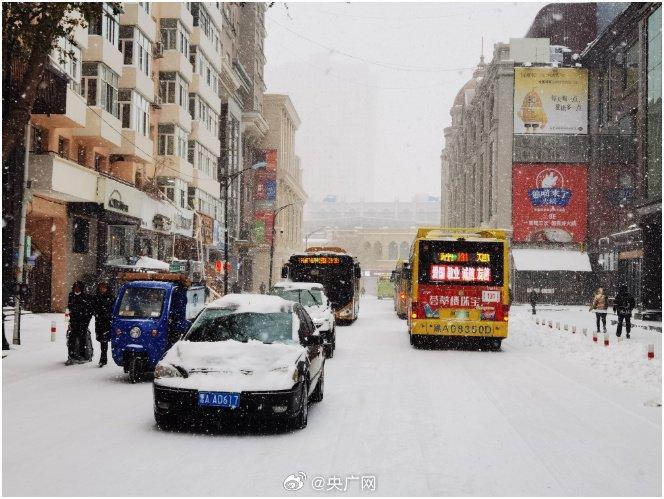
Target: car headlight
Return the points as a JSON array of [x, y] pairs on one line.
[[135, 332], [164, 370]]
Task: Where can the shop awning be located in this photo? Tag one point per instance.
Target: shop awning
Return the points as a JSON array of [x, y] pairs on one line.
[[531, 259]]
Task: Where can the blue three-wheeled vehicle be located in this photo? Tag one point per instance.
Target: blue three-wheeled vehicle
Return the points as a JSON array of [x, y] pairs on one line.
[[151, 312]]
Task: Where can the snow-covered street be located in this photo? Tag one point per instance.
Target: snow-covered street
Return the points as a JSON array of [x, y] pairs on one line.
[[552, 414]]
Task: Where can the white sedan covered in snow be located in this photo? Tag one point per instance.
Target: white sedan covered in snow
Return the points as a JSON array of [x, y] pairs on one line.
[[245, 355], [311, 295]]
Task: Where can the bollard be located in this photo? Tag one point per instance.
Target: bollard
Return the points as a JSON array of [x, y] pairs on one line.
[[595, 336], [67, 314], [585, 331], [537, 321], [557, 325], [566, 327], [606, 339], [573, 329], [52, 330], [550, 324], [651, 351]]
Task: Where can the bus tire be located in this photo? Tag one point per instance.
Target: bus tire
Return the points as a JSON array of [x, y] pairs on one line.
[[415, 340], [494, 344]]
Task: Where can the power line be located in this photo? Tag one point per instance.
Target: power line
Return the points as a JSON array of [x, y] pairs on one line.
[[362, 59], [399, 19]]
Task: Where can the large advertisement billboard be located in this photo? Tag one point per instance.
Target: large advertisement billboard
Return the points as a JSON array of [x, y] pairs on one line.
[[550, 101], [549, 202]]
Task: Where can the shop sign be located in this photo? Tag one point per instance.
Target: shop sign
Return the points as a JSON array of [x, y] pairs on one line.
[[183, 224], [207, 228], [115, 202], [121, 198], [218, 234], [161, 222]]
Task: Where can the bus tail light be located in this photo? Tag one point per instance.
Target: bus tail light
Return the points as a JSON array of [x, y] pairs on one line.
[[413, 310], [506, 312]]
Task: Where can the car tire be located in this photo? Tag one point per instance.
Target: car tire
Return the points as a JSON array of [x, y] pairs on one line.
[[328, 351], [302, 417], [319, 391], [494, 345], [135, 369]]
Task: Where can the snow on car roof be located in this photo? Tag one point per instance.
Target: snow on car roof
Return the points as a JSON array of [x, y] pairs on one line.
[[299, 285], [261, 304]]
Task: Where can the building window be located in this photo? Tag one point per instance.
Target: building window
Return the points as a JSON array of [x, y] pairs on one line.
[[202, 159], [204, 69], [171, 140], [107, 25], [136, 49], [202, 112], [145, 6], [174, 36], [173, 89], [604, 96], [134, 111], [631, 66], [654, 107], [63, 147], [204, 22], [119, 243], [39, 138], [100, 87], [81, 235], [68, 60]]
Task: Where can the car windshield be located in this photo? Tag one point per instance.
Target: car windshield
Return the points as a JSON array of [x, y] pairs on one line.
[[142, 303], [305, 297], [224, 324]]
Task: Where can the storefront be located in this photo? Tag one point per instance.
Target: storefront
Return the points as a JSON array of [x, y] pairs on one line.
[[155, 238]]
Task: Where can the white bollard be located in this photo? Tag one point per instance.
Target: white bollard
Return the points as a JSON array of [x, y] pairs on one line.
[[585, 331], [606, 339], [52, 330], [557, 325], [550, 324], [595, 336], [651, 351], [67, 314], [573, 329]]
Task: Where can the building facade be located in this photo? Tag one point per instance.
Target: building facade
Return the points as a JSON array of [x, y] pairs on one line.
[[278, 194], [625, 118], [131, 136]]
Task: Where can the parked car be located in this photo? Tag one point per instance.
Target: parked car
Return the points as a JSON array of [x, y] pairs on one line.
[[249, 355], [312, 297]]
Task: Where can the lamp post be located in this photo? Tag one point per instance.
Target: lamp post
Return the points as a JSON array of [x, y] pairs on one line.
[[274, 234], [226, 181], [306, 237]]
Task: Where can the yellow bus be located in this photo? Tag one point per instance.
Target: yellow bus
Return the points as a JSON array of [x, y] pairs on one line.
[[459, 285], [401, 279]]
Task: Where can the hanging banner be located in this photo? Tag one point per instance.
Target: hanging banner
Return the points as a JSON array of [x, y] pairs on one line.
[[550, 101], [549, 202]]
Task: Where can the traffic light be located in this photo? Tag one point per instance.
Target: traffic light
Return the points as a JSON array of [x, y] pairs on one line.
[[218, 266]]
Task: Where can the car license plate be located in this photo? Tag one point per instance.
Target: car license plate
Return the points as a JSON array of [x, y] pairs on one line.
[[219, 399]]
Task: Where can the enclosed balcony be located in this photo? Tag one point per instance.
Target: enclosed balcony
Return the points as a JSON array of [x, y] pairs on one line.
[[174, 61], [205, 137], [134, 78], [57, 104], [101, 50], [135, 146], [59, 178], [102, 129], [135, 15]]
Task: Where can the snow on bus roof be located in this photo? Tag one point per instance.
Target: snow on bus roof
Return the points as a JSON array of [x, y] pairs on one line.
[[256, 303], [299, 285]]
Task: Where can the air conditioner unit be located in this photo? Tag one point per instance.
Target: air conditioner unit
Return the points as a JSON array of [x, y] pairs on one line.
[[158, 51]]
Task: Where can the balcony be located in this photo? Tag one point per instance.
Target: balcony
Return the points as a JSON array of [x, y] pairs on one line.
[[205, 137], [175, 61], [101, 50], [135, 147], [203, 43], [230, 81], [174, 166], [62, 179], [255, 125], [102, 129], [136, 79], [173, 113], [176, 10], [206, 184], [57, 105], [200, 87], [135, 15]]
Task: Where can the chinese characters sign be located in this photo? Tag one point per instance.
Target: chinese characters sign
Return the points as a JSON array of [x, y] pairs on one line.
[[550, 101], [549, 202], [323, 260], [459, 273], [465, 257]]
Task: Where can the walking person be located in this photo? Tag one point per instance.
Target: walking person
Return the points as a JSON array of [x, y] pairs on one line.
[[532, 297], [103, 311], [623, 304], [79, 319], [600, 305]]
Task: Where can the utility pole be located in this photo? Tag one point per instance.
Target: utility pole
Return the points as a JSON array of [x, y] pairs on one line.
[[274, 235], [16, 340]]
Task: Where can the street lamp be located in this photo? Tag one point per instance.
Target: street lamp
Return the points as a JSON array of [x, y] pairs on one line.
[[226, 179], [274, 234], [306, 237]]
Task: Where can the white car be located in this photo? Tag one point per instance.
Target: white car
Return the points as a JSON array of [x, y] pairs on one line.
[[247, 356], [311, 295]]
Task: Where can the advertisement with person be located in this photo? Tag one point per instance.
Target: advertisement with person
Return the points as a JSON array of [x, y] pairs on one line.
[[550, 101], [549, 202]]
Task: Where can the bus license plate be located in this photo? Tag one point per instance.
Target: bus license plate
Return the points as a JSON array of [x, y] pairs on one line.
[[219, 399], [467, 329]]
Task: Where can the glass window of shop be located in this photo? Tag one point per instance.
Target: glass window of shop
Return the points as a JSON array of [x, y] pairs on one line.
[[204, 69], [173, 89], [631, 66], [99, 86], [136, 49], [171, 140], [174, 36], [654, 125], [120, 244], [107, 25], [134, 111]]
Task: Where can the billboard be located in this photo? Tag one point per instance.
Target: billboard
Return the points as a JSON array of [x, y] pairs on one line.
[[265, 197], [550, 101], [263, 226], [549, 202]]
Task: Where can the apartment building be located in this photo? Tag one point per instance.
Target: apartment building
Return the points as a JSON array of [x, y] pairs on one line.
[[279, 194]]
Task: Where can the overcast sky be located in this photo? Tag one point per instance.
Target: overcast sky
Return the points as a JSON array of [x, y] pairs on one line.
[[418, 56]]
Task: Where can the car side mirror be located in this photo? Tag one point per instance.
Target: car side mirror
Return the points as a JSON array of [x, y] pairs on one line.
[[313, 340]]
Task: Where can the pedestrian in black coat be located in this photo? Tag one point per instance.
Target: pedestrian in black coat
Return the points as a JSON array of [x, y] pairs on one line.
[[533, 300], [103, 312], [623, 304], [80, 313]]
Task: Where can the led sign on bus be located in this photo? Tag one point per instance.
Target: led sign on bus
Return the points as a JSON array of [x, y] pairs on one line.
[[464, 257], [323, 260], [459, 273]]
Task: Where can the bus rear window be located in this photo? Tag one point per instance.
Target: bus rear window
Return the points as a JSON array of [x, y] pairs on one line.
[[461, 263]]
